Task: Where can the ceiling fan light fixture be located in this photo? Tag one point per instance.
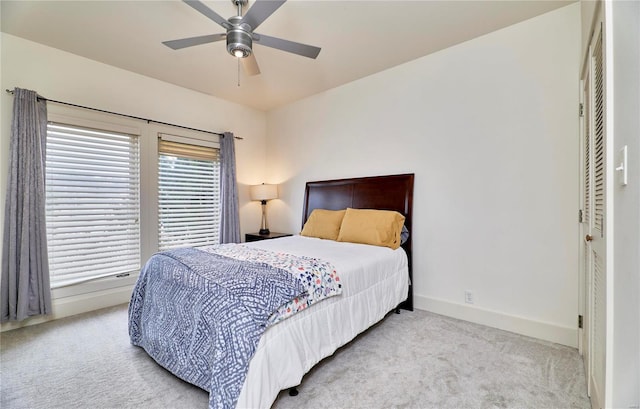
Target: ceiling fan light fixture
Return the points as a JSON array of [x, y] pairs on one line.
[[239, 50], [239, 40]]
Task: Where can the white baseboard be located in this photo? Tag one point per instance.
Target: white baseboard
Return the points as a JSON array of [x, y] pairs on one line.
[[520, 325], [68, 306], [77, 304]]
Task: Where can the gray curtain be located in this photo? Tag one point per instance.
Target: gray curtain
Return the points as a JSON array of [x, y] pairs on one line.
[[25, 289], [230, 219]]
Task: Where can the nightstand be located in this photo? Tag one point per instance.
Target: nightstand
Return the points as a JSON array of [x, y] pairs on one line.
[[257, 237]]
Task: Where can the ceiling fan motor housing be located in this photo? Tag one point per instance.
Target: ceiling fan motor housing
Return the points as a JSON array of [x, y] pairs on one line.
[[239, 38]]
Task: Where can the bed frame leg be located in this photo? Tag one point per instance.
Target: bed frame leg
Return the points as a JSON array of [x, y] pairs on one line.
[[293, 391]]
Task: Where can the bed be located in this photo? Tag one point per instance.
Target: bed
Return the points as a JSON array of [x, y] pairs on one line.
[[371, 285]]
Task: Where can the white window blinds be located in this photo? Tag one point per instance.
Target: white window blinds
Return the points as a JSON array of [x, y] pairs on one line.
[[92, 203], [188, 192]]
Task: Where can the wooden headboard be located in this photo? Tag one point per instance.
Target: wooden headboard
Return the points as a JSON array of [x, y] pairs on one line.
[[393, 192]]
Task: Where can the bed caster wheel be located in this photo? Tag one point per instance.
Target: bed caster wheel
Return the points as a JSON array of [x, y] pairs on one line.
[[293, 392]]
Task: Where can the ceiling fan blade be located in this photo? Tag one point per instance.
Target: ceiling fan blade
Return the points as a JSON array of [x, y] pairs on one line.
[[191, 41], [260, 10], [198, 5], [286, 45], [251, 65]]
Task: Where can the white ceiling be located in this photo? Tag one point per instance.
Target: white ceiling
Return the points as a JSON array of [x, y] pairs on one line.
[[358, 38]]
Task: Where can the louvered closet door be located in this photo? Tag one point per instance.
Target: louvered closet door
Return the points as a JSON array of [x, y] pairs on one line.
[[594, 218], [586, 225]]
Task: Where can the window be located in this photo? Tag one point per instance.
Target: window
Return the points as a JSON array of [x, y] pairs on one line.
[[92, 203], [188, 192], [117, 191]]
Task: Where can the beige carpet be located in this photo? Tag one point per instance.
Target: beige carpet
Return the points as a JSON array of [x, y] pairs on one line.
[[412, 360]]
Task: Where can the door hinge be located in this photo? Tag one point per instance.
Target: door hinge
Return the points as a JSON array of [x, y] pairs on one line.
[[580, 217], [579, 321], [581, 109]]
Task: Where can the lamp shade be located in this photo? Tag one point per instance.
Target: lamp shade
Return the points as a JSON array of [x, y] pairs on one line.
[[264, 192]]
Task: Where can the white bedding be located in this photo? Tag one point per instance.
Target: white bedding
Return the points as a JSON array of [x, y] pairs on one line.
[[374, 281]]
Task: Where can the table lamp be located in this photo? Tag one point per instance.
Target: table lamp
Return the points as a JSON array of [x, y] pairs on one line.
[[263, 193]]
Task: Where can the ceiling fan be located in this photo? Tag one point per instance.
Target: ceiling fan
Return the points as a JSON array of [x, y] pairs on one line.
[[240, 36]]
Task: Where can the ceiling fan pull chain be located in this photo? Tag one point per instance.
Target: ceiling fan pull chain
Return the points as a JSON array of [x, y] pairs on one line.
[[238, 71]]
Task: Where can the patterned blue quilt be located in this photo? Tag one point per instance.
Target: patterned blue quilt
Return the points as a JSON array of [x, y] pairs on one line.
[[202, 323]]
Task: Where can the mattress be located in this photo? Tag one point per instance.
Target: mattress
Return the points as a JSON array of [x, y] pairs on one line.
[[374, 281]]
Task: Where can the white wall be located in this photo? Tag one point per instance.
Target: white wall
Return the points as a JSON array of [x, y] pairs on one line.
[[624, 20], [66, 77], [490, 129]]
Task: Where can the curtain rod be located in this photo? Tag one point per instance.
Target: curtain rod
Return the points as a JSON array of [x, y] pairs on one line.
[[127, 116]]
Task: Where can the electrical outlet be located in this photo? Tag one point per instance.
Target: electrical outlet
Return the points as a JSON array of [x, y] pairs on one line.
[[468, 297]]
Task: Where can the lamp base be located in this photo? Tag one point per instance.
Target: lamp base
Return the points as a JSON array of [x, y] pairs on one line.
[[264, 230]]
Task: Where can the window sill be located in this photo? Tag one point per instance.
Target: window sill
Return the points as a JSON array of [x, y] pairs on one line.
[[101, 284]]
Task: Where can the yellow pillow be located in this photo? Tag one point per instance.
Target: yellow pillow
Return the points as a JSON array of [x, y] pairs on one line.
[[368, 226], [323, 224]]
